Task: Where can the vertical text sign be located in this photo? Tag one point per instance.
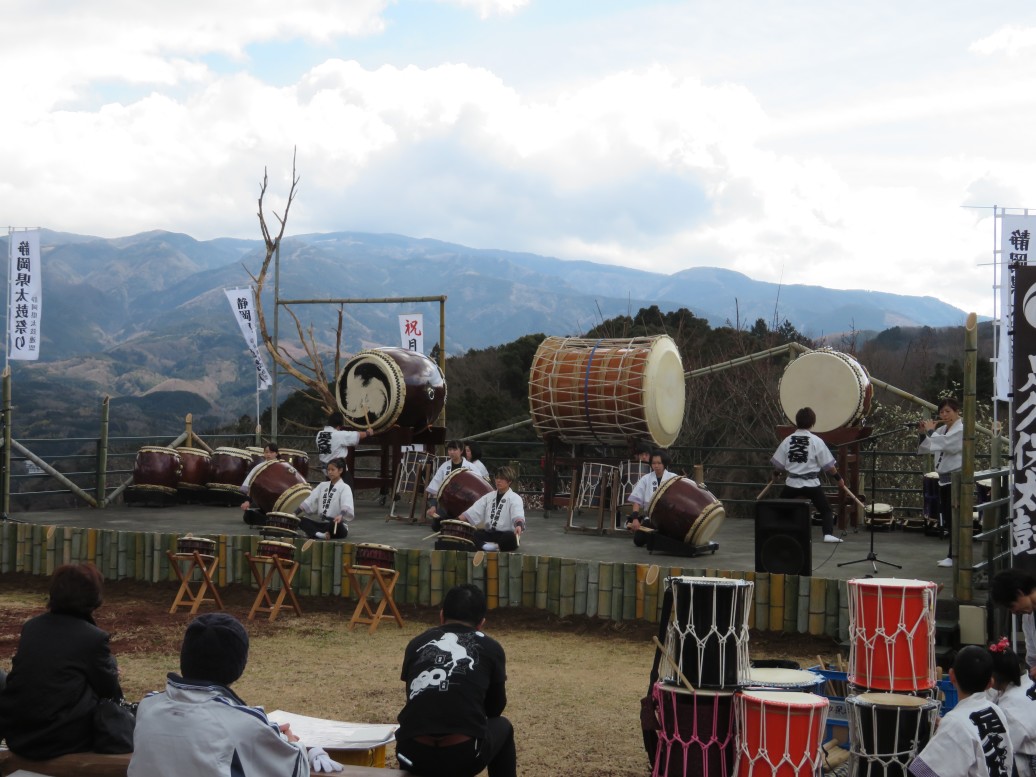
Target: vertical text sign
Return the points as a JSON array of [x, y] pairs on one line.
[[25, 305], [411, 331], [1023, 507], [242, 303]]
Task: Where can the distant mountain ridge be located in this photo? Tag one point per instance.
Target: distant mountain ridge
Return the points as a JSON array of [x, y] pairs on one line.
[[145, 315]]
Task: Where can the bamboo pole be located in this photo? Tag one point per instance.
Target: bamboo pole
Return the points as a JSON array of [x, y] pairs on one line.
[[102, 454], [962, 586], [54, 473], [7, 441], [787, 348], [777, 602], [762, 600]]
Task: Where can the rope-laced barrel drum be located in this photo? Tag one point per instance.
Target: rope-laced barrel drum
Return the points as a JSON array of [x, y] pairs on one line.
[[779, 734], [277, 487], [369, 554], [595, 480], [194, 475], [386, 387], [459, 491], [708, 634], [777, 679], [455, 535], [156, 470], [887, 731], [607, 391], [892, 634], [413, 467], [697, 732], [186, 546], [228, 469], [298, 459], [686, 512], [275, 549], [835, 385]]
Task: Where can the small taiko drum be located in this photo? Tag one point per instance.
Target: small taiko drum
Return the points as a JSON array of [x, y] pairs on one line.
[[779, 734], [369, 554], [887, 731], [455, 535], [684, 511], [288, 522], [228, 469], [777, 679], [196, 464], [187, 546], [277, 487], [607, 391], [157, 468], [298, 459], [835, 385], [385, 387], [460, 490], [697, 732], [276, 549], [708, 634], [892, 634], [880, 515]]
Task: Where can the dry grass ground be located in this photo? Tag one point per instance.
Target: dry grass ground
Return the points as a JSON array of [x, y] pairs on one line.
[[574, 684]]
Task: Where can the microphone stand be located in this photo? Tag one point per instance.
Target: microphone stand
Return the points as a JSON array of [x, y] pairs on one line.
[[872, 555]]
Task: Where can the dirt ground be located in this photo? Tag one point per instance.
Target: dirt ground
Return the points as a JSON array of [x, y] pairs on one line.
[[574, 683]]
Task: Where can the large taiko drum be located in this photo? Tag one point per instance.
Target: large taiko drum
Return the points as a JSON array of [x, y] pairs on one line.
[[387, 387], [296, 458], [892, 634], [835, 385], [607, 391], [277, 487], [228, 469], [708, 634], [459, 491], [157, 468], [197, 465], [779, 734], [684, 511], [887, 731], [697, 732]]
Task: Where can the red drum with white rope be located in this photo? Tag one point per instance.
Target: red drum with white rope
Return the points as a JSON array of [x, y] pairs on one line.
[[779, 734], [834, 384]]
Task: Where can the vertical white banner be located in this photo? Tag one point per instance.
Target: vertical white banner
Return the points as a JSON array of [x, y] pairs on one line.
[[1015, 235], [243, 305], [411, 331], [25, 303]]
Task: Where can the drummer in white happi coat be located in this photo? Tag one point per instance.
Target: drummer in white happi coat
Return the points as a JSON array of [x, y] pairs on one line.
[[456, 460], [644, 490], [499, 516]]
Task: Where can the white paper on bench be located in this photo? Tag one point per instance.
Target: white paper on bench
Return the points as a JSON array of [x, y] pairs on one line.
[[318, 732]]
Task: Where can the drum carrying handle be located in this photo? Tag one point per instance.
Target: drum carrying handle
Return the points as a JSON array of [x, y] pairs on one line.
[[586, 391]]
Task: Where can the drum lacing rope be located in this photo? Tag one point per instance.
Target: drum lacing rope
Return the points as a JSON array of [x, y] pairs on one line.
[[702, 739], [586, 391], [870, 638]]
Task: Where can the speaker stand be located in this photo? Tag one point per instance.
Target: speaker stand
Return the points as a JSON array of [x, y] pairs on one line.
[[872, 555]]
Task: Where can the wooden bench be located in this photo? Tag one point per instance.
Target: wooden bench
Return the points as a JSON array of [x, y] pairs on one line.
[[96, 765]]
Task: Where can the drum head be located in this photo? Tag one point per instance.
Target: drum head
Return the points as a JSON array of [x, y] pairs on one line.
[[879, 508], [708, 523], [372, 388], [292, 499], [783, 678], [785, 699], [375, 546], [892, 700], [831, 383], [665, 392]]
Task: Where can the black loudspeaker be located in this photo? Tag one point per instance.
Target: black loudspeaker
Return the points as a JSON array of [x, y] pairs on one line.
[[782, 537]]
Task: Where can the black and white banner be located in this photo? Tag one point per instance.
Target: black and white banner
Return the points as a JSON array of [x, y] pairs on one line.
[[1015, 234], [25, 303], [243, 304], [1023, 444]]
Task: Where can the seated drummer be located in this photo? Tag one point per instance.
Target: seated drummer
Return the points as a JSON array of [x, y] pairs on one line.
[[254, 516], [331, 504], [199, 726], [455, 452], [644, 491], [499, 516]]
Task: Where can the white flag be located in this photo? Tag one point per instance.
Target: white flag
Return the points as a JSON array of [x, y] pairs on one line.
[[411, 331], [243, 305], [25, 303], [1015, 234]]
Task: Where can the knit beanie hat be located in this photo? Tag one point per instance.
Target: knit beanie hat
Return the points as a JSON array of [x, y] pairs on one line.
[[215, 648]]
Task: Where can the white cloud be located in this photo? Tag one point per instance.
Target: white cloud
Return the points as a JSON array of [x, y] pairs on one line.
[[1011, 40], [487, 8]]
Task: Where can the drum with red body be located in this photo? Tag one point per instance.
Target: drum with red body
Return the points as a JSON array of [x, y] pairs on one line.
[[455, 535], [697, 732], [197, 465], [228, 469], [288, 522], [298, 459], [276, 549], [186, 546], [779, 734], [157, 468], [277, 487], [892, 634], [385, 387], [369, 554], [684, 511], [459, 491]]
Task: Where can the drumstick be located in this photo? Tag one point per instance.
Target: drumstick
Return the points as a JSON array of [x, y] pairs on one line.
[[672, 663], [430, 536], [851, 494], [765, 489]]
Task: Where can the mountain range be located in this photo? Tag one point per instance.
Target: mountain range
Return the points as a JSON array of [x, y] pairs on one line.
[[144, 318]]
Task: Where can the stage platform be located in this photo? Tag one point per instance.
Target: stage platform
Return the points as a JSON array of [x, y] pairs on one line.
[[545, 537]]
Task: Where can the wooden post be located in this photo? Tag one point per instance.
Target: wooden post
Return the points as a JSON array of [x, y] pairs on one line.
[[962, 585], [102, 455], [7, 441]]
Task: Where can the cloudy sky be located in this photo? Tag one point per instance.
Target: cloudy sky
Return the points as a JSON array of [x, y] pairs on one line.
[[805, 142]]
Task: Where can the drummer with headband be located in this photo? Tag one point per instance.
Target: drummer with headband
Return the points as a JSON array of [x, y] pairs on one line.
[[253, 515], [334, 442], [640, 496], [499, 516], [456, 460], [803, 456]]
